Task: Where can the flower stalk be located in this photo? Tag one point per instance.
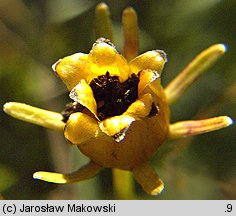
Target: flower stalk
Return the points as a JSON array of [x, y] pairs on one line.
[[123, 184]]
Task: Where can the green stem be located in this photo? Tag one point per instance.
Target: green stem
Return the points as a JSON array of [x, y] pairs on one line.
[[123, 184]]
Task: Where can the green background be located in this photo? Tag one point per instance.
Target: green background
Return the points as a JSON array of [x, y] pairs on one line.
[[35, 34]]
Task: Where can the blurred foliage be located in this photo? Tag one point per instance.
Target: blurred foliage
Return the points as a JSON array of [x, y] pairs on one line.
[[35, 34], [8, 178]]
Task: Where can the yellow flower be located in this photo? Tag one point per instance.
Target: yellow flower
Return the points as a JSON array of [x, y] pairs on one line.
[[124, 107], [120, 113]]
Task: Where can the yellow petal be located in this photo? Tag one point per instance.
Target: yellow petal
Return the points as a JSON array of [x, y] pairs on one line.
[[104, 58], [195, 127], [141, 108], [83, 94], [86, 172], [153, 60], [148, 179], [81, 128], [72, 69], [145, 78], [35, 115], [116, 126]]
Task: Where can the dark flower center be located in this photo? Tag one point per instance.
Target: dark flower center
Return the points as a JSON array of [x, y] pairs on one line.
[[71, 108], [113, 97]]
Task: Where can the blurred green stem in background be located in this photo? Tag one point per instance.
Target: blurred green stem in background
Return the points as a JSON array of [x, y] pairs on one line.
[[123, 184]]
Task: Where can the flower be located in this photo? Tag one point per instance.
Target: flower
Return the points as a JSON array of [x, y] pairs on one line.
[[119, 116]]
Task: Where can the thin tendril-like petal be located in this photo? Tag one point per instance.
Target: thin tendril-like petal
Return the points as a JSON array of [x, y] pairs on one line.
[[148, 178], [86, 172], [195, 127], [103, 25], [130, 28], [35, 115], [200, 64]]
